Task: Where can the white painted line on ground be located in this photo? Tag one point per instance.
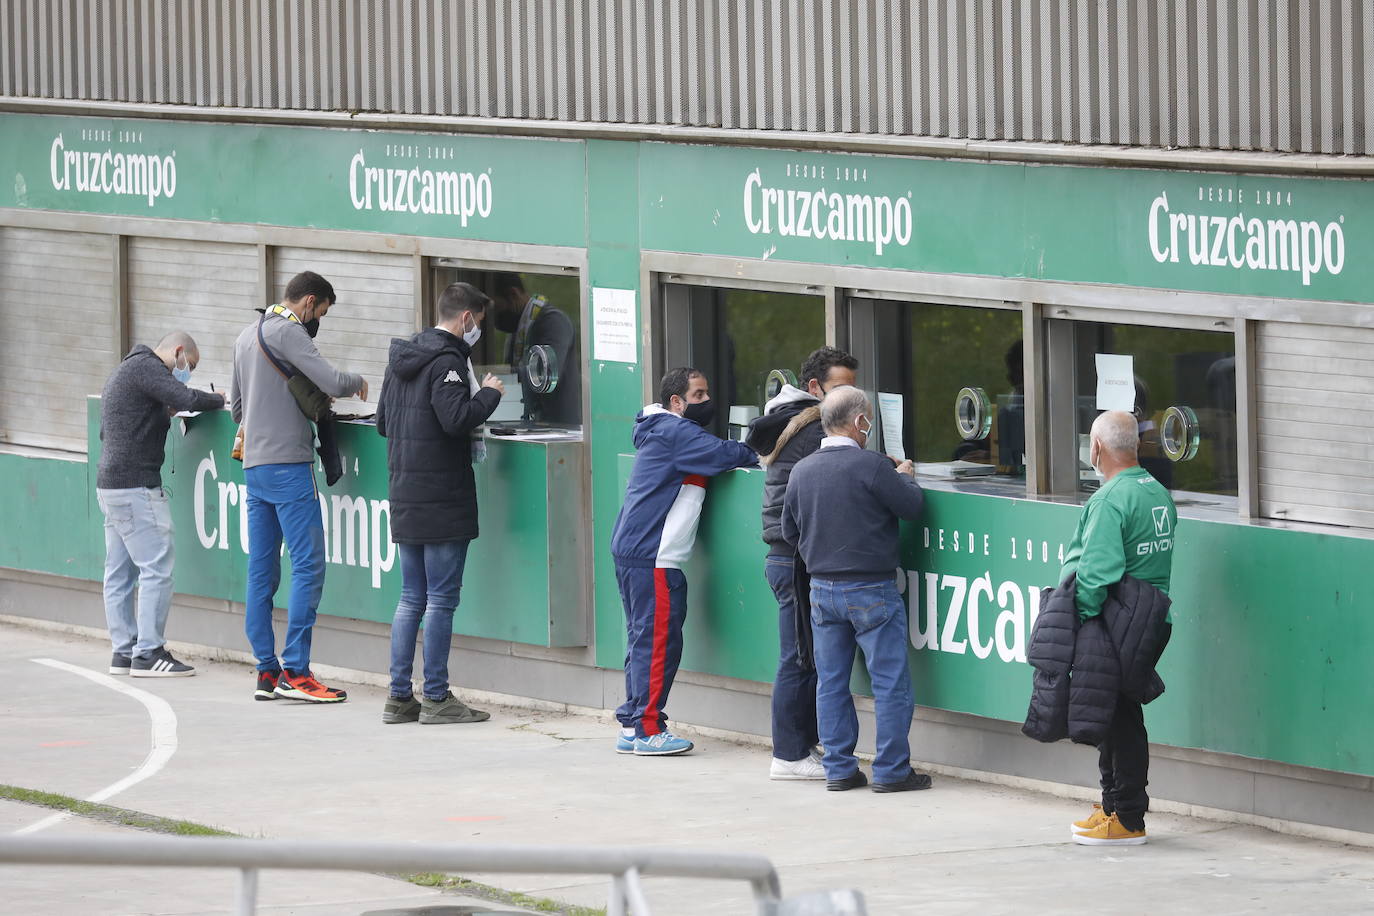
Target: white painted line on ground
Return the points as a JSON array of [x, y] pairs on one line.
[[164, 738]]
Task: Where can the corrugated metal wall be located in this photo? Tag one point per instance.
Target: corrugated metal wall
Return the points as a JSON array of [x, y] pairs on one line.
[[1315, 417], [1288, 75]]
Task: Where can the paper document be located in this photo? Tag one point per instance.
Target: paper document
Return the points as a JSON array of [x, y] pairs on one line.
[[615, 331], [1115, 382], [890, 409]]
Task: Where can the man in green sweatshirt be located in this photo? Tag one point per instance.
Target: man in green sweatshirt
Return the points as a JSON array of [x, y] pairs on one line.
[[1127, 529]]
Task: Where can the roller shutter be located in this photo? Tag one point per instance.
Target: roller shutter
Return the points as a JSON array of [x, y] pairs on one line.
[[204, 288], [1315, 417], [376, 302], [57, 337]]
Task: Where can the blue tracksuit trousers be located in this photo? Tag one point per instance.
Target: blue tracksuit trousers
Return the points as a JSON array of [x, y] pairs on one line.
[[655, 601]]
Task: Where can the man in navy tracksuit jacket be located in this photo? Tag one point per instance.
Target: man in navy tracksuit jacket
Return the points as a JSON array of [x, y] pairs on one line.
[[652, 538]]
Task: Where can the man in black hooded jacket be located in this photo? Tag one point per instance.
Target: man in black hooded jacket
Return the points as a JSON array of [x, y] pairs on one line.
[[430, 410], [788, 431]]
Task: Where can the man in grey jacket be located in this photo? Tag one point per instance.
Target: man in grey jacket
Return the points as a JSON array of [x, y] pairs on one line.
[[278, 466], [136, 405]]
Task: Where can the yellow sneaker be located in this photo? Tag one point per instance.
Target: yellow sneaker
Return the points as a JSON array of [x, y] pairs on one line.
[[1091, 821], [1110, 833]]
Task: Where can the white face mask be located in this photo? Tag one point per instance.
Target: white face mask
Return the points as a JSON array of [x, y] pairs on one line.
[[473, 334], [866, 432]]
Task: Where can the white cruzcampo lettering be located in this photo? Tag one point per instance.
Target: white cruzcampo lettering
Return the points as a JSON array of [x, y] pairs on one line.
[[111, 173], [415, 190], [874, 220], [954, 614], [1240, 242]]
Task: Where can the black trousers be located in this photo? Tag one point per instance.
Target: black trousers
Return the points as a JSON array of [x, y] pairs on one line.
[[1124, 761]]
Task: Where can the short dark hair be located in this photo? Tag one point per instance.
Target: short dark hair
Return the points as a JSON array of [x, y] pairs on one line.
[[458, 298], [308, 283], [676, 382], [820, 362], [505, 281]]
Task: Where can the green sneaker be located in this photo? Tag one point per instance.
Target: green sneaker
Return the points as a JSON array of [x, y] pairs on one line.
[[400, 709], [449, 710]]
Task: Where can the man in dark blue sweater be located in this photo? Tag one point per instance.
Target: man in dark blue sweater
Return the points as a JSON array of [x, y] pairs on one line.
[[840, 512]]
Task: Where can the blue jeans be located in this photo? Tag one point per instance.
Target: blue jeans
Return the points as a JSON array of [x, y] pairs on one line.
[[872, 616], [794, 687], [138, 555], [283, 501], [431, 579]]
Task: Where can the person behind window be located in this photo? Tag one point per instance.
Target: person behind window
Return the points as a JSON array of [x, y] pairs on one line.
[[279, 469], [429, 411], [531, 321], [788, 431], [139, 397], [840, 513], [652, 538]]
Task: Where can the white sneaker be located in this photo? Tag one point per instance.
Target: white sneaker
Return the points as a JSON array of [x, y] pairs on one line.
[[806, 768]]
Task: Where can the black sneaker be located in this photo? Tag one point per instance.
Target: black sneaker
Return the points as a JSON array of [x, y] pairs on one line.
[[267, 685], [158, 663], [119, 664], [911, 783], [855, 781]]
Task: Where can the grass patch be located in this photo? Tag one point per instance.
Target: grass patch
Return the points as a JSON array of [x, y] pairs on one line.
[[497, 895], [138, 820], [109, 814]]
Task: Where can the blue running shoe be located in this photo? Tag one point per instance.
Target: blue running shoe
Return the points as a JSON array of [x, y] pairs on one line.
[[625, 744], [664, 744]]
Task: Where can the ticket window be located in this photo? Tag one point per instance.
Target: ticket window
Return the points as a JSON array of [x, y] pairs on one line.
[[1180, 384], [531, 339], [738, 338], [948, 382]]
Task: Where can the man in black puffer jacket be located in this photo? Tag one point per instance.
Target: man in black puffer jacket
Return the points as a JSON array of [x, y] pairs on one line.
[[430, 410], [788, 431]]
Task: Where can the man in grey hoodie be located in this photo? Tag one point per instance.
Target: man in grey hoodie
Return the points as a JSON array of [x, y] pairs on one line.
[[136, 405], [279, 468]]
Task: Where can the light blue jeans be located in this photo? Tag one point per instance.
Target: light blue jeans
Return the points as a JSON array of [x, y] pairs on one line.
[[871, 617], [283, 502], [138, 558]]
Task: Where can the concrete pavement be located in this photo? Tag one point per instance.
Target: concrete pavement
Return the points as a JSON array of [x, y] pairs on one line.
[[284, 769]]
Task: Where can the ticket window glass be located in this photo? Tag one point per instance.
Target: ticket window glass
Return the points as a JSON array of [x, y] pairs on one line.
[[737, 338], [1180, 384], [531, 339], [949, 388]]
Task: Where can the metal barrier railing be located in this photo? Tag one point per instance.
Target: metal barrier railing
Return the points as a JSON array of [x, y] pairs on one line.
[[625, 865]]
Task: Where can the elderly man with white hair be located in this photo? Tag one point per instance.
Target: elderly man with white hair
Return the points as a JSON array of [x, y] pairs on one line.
[[1126, 529], [840, 512]]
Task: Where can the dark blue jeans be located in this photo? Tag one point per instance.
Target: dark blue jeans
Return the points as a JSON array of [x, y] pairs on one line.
[[871, 616], [794, 687], [283, 502], [431, 579]]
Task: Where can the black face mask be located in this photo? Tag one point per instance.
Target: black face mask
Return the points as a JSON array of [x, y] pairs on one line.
[[701, 413], [506, 319], [312, 327]]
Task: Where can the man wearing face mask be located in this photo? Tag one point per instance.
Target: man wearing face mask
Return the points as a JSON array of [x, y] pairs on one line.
[[788, 431], [278, 467], [429, 411], [136, 405], [652, 538], [532, 321], [840, 512]]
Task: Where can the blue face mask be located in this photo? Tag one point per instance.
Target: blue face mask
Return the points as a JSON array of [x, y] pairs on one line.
[[181, 374]]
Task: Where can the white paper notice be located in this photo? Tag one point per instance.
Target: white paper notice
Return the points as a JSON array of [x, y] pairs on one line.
[[616, 330], [1115, 382], [890, 409]]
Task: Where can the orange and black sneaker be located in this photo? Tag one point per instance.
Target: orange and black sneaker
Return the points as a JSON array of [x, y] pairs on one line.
[[267, 685], [303, 686]]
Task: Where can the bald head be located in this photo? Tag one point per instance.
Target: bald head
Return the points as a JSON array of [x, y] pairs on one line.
[[178, 347], [841, 408], [1117, 432]]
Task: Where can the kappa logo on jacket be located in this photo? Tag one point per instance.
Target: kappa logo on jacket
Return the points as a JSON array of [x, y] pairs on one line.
[[452, 376]]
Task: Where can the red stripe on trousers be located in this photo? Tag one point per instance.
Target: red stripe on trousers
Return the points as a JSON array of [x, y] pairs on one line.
[[658, 660]]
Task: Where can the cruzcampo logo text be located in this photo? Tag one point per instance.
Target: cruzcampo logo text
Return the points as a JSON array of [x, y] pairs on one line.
[[415, 189], [92, 165], [835, 207], [1265, 238]]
